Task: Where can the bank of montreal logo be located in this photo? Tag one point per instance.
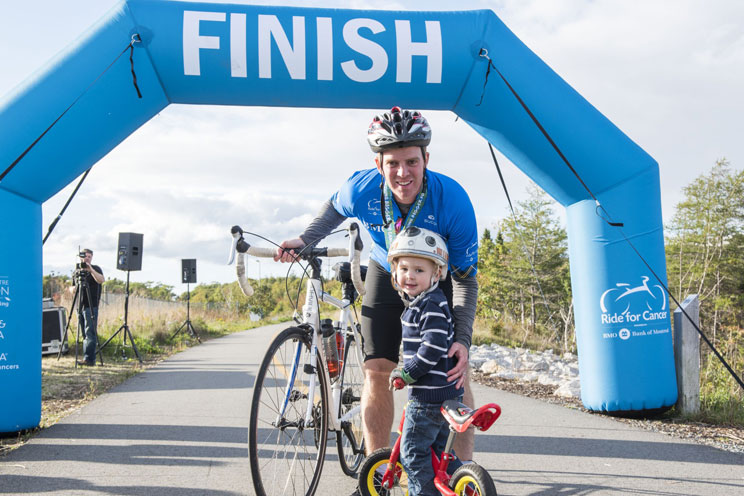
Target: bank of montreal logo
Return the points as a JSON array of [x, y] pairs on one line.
[[651, 300]]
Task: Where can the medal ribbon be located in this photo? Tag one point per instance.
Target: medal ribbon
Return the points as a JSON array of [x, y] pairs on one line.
[[392, 228]]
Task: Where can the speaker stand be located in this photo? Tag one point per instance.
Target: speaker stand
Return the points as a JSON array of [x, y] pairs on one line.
[[187, 325], [124, 327]]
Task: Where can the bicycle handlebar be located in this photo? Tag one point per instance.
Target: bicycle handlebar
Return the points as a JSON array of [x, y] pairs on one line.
[[241, 247]]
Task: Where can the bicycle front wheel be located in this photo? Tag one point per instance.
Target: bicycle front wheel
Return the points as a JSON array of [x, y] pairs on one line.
[[286, 449], [350, 441], [473, 480], [373, 470]]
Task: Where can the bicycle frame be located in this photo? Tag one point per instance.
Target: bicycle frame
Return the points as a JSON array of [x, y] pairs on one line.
[[482, 419], [438, 463], [311, 317]]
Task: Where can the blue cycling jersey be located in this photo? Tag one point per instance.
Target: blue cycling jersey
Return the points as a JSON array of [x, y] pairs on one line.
[[447, 211]]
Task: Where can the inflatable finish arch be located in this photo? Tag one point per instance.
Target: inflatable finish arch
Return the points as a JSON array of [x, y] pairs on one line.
[[225, 54]]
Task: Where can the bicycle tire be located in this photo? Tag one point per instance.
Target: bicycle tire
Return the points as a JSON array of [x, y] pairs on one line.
[[372, 470], [287, 459], [472, 479], [350, 440]]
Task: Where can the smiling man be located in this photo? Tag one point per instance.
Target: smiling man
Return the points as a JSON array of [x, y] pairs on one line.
[[398, 193]]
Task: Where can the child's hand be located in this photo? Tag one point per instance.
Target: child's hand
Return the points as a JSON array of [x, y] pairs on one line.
[[399, 378]]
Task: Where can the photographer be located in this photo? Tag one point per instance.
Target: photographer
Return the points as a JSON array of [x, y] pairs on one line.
[[89, 279]]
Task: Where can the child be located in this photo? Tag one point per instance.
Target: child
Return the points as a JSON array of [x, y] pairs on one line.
[[418, 261]]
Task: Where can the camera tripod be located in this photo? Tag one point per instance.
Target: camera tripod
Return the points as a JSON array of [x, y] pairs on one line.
[[124, 327], [81, 284], [187, 325]]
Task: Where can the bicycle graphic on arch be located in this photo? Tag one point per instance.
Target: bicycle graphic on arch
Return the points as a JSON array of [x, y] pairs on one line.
[[653, 298]]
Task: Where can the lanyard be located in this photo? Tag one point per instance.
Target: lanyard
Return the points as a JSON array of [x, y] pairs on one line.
[[393, 228]]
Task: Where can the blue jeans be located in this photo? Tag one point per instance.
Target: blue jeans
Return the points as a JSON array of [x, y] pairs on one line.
[[424, 428], [90, 321]]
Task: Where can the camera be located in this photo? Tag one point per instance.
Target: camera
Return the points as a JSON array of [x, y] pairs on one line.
[[81, 265]]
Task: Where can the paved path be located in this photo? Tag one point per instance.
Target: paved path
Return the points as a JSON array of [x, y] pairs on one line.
[[181, 429]]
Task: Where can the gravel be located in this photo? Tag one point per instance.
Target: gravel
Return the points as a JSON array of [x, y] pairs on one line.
[[725, 437]]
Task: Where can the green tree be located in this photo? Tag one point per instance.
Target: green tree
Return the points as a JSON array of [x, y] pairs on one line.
[[525, 275], [704, 243]]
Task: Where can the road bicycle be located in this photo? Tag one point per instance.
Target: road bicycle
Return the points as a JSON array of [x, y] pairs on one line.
[[310, 380], [382, 474]]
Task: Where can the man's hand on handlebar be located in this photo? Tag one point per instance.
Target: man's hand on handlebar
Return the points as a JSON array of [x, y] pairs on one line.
[[287, 251]]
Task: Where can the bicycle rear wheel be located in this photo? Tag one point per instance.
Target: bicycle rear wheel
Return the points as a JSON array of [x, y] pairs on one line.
[[472, 480], [286, 454], [350, 441]]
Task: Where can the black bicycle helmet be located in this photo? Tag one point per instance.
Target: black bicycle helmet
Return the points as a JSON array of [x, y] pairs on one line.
[[398, 129]]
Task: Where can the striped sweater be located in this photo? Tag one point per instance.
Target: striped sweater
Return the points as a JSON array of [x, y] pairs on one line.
[[428, 333]]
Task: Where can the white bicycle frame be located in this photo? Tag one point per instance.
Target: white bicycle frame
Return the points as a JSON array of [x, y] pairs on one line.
[[311, 316]]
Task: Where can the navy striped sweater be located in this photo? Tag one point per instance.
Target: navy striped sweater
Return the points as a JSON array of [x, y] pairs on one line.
[[428, 333]]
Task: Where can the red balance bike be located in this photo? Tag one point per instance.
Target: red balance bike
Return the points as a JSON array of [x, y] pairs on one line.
[[382, 473]]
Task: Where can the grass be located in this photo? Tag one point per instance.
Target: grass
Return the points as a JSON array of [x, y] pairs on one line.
[[65, 388]]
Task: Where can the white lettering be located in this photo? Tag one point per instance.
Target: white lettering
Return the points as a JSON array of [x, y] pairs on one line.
[[2, 336], [294, 57], [325, 48], [431, 49], [3, 357], [612, 319], [366, 47], [238, 58], [193, 42], [647, 315], [5, 290]]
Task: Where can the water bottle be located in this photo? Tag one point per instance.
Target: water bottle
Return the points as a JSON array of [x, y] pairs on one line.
[[330, 348], [340, 343]]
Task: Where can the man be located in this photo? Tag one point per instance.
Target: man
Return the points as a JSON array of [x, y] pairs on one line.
[[92, 278], [398, 193]]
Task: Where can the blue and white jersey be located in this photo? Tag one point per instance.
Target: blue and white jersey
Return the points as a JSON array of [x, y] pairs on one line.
[[447, 211]]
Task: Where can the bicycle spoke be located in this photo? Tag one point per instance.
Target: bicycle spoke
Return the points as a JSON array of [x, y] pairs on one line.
[[286, 456], [351, 393]]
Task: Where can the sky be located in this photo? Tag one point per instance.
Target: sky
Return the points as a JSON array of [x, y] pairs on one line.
[[668, 73]]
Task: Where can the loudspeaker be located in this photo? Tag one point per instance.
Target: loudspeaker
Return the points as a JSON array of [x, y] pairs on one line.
[[129, 255], [188, 270], [53, 325]]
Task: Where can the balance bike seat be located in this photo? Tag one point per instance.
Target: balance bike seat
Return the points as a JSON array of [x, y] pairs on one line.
[[460, 416]]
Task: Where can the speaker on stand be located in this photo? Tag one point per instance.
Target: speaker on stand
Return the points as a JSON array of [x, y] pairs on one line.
[[188, 276], [128, 257]]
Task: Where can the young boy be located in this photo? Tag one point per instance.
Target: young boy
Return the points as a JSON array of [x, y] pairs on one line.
[[418, 261]]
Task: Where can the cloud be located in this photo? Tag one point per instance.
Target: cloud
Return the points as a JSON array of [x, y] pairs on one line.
[[668, 74]]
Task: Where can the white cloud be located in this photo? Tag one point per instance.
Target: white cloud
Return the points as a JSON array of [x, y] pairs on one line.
[[668, 74]]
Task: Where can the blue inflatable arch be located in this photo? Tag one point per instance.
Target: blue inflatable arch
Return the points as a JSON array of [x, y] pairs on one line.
[[226, 54]]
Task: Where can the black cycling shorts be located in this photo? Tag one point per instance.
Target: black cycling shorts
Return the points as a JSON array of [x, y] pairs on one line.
[[381, 311]]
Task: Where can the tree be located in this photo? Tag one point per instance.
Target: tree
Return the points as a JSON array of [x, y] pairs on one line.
[[524, 273], [704, 244]]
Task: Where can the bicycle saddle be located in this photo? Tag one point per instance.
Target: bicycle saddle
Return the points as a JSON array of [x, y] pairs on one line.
[[460, 416]]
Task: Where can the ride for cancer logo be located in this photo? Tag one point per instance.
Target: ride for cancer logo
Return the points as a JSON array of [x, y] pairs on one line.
[[634, 307]]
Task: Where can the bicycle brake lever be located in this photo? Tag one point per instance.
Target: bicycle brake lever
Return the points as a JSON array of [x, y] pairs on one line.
[[237, 234]]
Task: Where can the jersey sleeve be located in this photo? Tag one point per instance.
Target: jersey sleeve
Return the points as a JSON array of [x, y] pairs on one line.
[[462, 241], [343, 199]]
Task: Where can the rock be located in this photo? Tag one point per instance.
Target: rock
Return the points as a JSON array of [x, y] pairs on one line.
[[571, 389], [490, 367]]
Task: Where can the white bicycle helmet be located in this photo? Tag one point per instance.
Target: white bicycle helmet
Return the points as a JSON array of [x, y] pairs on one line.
[[422, 243], [398, 129]]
